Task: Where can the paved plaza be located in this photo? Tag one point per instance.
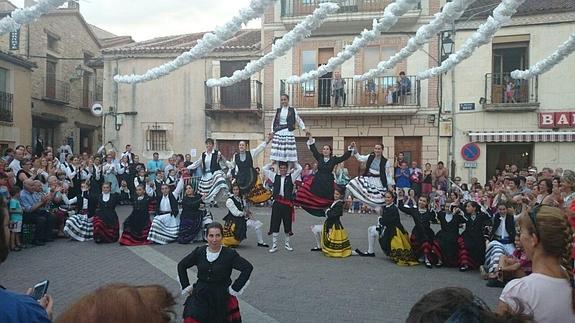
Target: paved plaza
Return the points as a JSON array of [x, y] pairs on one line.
[[298, 286]]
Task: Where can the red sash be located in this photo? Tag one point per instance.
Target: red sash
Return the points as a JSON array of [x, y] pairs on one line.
[[283, 201]]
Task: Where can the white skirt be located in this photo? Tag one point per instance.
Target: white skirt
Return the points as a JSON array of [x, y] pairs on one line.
[[79, 227], [164, 229], [368, 190], [284, 146], [213, 185]]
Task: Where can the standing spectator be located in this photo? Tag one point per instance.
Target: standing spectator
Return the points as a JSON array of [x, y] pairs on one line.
[[341, 176], [427, 184], [398, 160], [15, 219], [188, 160], [15, 163], [371, 91], [402, 178], [39, 146], [34, 204], [171, 165], [439, 176], [154, 165], [29, 153], [338, 89], [403, 89], [415, 177], [129, 154], [547, 173], [64, 150]]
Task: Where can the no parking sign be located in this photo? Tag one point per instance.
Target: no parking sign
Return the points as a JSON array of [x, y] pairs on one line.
[[470, 152]]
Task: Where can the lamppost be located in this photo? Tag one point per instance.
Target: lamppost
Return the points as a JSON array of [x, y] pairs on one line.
[[447, 45], [446, 49]]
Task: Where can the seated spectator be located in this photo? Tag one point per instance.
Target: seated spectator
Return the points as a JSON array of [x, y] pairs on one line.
[[122, 303], [34, 203], [548, 292], [14, 307]]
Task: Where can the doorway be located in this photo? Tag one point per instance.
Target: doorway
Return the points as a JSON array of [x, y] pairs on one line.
[[86, 140], [364, 146], [228, 147], [499, 155], [237, 96], [324, 86], [410, 147]]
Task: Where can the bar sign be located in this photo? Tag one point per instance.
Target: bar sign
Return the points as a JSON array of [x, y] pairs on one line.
[[15, 40]]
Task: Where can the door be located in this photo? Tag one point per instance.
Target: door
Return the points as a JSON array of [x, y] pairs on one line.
[[228, 147], [50, 79], [497, 79], [324, 83], [364, 146], [237, 96], [499, 155], [86, 91], [410, 147], [86, 137]]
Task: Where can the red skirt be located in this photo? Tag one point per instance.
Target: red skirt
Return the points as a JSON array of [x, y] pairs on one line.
[[136, 238], [312, 203], [152, 206], [104, 233], [232, 316]]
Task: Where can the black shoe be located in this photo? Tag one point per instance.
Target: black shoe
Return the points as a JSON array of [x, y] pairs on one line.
[[265, 245], [364, 254], [315, 249], [463, 268], [495, 283]]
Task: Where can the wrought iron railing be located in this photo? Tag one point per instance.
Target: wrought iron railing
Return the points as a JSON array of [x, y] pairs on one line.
[[501, 88], [246, 95], [345, 92], [6, 110], [295, 8], [55, 89]]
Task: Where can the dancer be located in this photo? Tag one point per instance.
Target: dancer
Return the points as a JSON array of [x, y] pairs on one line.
[[446, 238], [502, 240], [246, 176], [471, 243], [105, 218], [137, 225], [79, 226], [316, 193], [213, 180], [375, 181], [238, 220], [283, 143], [392, 236], [166, 225], [422, 237], [191, 218], [282, 208], [213, 297], [331, 237]]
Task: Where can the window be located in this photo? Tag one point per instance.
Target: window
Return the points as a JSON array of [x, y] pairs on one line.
[[4, 80], [50, 79], [507, 57], [52, 42], [5, 97], [308, 63], [157, 139]]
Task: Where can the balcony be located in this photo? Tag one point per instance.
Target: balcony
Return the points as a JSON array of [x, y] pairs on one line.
[[382, 95], [504, 94], [296, 8], [243, 97], [55, 91], [6, 111]]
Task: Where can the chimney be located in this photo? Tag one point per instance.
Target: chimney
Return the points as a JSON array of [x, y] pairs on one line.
[[29, 3]]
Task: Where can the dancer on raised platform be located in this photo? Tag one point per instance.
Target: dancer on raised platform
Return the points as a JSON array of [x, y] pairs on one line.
[[213, 181], [283, 144]]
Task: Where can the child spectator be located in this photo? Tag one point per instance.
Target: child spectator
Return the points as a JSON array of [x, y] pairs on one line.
[[171, 179], [4, 187], [125, 194], [15, 219]]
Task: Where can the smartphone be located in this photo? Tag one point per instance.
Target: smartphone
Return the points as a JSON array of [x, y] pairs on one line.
[[40, 289]]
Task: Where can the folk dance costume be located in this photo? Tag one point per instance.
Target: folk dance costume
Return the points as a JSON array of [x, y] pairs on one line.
[[471, 243], [213, 295], [316, 193], [331, 237], [166, 224], [213, 179], [96, 179], [237, 222], [191, 219], [447, 237], [392, 238], [283, 143], [502, 241], [282, 208], [372, 185], [79, 226], [137, 224], [422, 239], [246, 176], [105, 219]]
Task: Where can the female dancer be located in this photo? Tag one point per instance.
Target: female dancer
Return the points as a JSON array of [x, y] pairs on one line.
[[392, 236], [137, 224], [471, 243], [191, 217], [316, 193], [422, 236], [378, 176], [213, 297], [96, 176], [331, 237], [246, 175], [213, 180], [79, 226], [283, 144], [502, 239], [166, 224], [238, 220], [446, 238], [105, 218]]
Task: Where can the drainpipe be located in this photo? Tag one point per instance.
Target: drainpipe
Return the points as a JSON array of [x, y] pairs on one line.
[[453, 115]]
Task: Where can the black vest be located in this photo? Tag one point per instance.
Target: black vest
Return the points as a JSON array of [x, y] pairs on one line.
[[214, 165], [173, 204], [239, 204], [290, 119], [509, 226], [248, 163], [382, 164], [288, 187]]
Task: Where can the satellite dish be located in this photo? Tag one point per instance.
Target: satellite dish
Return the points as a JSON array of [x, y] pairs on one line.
[[97, 110]]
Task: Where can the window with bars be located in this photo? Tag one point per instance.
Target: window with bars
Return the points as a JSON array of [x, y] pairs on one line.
[[156, 139]]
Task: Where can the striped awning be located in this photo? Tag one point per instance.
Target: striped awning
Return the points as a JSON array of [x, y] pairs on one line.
[[522, 136]]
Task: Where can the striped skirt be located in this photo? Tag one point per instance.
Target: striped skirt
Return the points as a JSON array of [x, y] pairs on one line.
[[368, 190], [212, 185], [79, 227], [284, 146], [495, 250], [164, 229]]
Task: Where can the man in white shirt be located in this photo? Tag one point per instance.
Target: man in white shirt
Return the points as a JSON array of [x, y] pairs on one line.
[[15, 163], [64, 150]]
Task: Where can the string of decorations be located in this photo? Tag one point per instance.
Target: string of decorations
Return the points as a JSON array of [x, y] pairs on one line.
[[22, 16]]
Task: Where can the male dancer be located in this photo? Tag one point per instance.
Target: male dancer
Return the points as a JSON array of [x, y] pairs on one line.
[[282, 208]]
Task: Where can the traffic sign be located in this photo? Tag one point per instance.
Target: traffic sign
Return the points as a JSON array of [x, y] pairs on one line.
[[470, 152], [470, 164]]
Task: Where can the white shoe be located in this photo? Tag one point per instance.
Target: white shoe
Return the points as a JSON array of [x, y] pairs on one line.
[[274, 248], [288, 247]]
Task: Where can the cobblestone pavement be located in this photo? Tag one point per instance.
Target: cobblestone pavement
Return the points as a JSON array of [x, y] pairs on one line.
[[298, 286]]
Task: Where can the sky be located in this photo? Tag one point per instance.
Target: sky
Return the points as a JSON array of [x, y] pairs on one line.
[[146, 19]]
